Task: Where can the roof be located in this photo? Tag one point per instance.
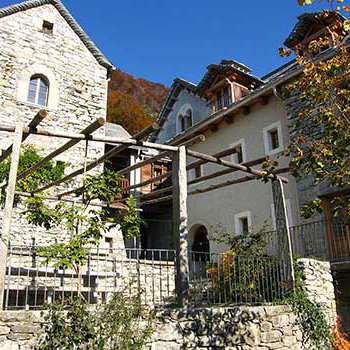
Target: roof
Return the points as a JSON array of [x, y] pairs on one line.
[[227, 66], [27, 5], [177, 86], [306, 21], [116, 130]]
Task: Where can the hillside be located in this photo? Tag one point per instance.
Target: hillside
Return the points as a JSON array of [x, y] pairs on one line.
[[133, 102]]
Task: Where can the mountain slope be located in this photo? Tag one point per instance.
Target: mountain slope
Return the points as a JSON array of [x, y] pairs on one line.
[[133, 102]]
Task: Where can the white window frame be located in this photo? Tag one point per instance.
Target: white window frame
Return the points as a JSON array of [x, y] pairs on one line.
[[240, 142], [244, 214], [267, 143], [23, 80], [182, 111]]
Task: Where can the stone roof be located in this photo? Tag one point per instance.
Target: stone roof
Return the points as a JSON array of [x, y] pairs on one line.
[[306, 20], [116, 130], [223, 67], [23, 6]]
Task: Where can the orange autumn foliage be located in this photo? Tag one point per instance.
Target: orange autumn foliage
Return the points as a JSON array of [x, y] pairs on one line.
[[133, 102], [340, 343]]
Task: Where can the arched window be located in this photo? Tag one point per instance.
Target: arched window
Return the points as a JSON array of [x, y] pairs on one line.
[[38, 90], [185, 120]]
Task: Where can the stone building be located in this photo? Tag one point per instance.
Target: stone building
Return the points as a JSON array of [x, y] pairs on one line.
[[48, 62]]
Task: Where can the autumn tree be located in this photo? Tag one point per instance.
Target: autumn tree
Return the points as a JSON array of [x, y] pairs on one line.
[[133, 102], [320, 139]]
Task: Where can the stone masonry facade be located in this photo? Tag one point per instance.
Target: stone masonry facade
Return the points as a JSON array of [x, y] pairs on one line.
[[219, 328], [77, 91]]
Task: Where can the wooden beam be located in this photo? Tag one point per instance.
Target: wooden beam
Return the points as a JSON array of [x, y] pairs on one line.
[[199, 179], [180, 230], [10, 195], [113, 140], [88, 130], [161, 155], [188, 143], [241, 167], [69, 200], [39, 117], [193, 165], [95, 163], [230, 182]]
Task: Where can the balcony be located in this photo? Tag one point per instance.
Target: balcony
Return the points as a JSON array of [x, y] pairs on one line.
[[325, 240]]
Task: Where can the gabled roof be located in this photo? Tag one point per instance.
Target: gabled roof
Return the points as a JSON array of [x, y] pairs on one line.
[[27, 5], [226, 66], [177, 86], [306, 21]]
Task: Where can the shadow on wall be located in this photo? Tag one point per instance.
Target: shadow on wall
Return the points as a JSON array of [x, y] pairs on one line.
[[221, 327]]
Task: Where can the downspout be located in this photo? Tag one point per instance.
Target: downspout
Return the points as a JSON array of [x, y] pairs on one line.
[[232, 90]]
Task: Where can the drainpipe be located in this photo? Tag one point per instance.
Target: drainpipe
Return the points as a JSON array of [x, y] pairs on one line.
[[232, 91]]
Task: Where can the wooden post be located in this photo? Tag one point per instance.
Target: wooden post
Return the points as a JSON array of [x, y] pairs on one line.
[[10, 194], [180, 231], [282, 229]]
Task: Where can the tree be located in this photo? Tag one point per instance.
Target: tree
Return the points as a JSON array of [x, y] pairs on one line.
[[320, 137]]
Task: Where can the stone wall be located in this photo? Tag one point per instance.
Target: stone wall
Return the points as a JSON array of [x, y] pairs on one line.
[[77, 91], [230, 328]]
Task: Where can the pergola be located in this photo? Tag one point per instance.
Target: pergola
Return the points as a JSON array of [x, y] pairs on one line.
[[178, 189]]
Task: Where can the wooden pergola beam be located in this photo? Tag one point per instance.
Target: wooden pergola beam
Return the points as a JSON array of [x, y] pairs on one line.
[[112, 140], [209, 188], [88, 130], [241, 167], [69, 200], [95, 163], [38, 118], [191, 142], [231, 182], [200, 179], [195, 164]]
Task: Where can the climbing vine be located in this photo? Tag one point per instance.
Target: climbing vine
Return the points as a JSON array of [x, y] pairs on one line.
[[311, 316]]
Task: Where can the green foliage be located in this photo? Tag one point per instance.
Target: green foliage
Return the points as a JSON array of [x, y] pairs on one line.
[[88, 225], [320, 139], [311, 316], [122, 324], [130, 223], [48, 172], [244, 273], [246, 243]]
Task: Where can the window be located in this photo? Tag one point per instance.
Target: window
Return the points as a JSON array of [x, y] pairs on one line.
[[223, 99], [273, 141], [243, 222], [185, 120], [38, 90], [239, 154], [47, 27], [194, 173]]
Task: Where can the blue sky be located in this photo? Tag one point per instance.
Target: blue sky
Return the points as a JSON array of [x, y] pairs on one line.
[[160, 40]]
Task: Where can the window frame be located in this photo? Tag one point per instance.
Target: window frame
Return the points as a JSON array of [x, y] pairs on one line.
[[242, 215], [240, 142], [276, 126], [40, 78]]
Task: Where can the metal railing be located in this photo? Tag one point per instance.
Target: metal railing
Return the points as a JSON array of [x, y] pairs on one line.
[[236, 279], [148, 274], [322, 239]]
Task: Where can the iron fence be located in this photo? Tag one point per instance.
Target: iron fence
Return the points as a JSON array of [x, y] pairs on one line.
[[148, 274], [322, 239], [236, 279]]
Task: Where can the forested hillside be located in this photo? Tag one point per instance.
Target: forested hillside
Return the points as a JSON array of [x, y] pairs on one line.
[[133, 102]]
